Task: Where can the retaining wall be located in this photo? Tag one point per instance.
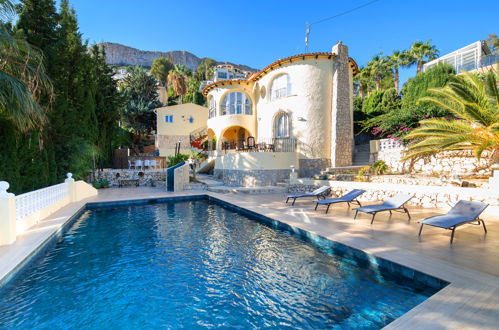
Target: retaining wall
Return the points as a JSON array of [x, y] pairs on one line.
[[425, 196]]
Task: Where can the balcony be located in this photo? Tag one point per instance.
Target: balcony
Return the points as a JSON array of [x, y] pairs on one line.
[[261, 145]]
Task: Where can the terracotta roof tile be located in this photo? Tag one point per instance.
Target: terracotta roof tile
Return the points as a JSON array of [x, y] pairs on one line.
[[257, 75]]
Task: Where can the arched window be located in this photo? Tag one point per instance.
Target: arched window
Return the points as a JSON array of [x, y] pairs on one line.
[[236, 103], [281, 87], [213, 108], [282, 126]]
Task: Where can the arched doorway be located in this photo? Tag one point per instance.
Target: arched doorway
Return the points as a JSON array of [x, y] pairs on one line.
[[235, 138]]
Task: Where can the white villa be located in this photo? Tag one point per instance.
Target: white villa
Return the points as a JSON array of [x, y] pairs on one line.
[[476, 56], [228, 71], [296, 113]]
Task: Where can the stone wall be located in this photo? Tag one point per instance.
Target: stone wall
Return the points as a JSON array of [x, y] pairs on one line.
[[342, 109], [252, 178], [425, 196], [146, 178], [422, 180], [169, 141], [181, 175], [445, 163], [311, 167]]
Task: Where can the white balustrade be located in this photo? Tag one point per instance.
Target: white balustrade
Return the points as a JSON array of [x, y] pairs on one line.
[[32, 202], [387, 145]]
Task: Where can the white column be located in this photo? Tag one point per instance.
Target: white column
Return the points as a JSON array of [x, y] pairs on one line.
[[7, 215], [71, 187]]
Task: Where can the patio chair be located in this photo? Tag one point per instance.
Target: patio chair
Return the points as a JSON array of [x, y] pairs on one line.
[[138, 164], [319, 192], [130, 165], [153, 163], [147, 164], [350, 197], [462, 213], [393, 204], [251, 143]]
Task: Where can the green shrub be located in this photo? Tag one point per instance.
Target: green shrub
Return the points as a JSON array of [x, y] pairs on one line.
[[174, 160], [363, 174], [103, 183], [379, 167], [409, 111]]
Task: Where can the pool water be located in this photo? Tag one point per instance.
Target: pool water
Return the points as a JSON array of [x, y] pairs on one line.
[[195, 264]]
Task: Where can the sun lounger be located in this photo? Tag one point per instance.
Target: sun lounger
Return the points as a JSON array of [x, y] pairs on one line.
[[462, 213], [393, 204], [350, 197], [319, 192]]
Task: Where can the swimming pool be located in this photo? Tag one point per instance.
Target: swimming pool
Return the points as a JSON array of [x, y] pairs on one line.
[[202, 263]]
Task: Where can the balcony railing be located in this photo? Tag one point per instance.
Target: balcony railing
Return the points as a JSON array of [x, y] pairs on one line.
[[32, 202], [236, 109], [262, 145], [489, 60]]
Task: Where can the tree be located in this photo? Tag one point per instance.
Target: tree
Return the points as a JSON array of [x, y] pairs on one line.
[[23, 80], [422, 52], [378, 68], [398, 59], [178, 79], [493, 43], [141, 96], [474, 101], [380, 102], [410, 111], [160, 69], [108, 102], [206, 68], [363, 81]]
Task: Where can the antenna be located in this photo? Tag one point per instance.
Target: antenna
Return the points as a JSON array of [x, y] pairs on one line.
[[307, 33], [307, 25]]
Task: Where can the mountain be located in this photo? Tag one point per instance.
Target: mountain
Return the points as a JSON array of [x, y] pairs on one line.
[[122, 55]]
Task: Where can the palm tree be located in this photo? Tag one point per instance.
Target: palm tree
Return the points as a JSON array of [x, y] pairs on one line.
[[363, 81], [398, 59], [377, 68], [22, 77], [178, 79], [422, 52], [160, 69], [475, 103]]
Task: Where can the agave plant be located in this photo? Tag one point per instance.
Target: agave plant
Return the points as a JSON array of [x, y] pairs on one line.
[[474, 101]]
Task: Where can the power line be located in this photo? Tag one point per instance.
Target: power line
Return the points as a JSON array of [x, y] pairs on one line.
[[307, 30]]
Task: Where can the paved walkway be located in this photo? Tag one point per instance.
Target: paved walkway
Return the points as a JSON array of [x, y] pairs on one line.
[[470, 264]]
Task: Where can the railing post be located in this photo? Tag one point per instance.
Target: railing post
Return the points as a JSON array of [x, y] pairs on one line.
[[71, 187], [7, 215]]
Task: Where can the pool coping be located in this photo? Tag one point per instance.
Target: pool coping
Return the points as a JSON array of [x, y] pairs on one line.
[[465, 302]]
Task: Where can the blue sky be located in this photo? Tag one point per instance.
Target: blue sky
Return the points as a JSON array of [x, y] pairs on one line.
[[258, 32]]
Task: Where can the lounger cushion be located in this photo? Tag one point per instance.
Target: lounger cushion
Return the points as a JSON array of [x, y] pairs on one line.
[[446, 220], [375, 208], [397, 201], [301, 195], [468, 208], [316, 192], [391, 204], [350, 196], [462, 212]]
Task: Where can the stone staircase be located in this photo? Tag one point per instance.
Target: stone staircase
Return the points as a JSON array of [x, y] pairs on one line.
[[361, 155], [348, 173]]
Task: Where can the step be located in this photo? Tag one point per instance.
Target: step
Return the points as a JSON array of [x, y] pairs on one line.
[[196, 186], [208, 180], [343, 169]]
